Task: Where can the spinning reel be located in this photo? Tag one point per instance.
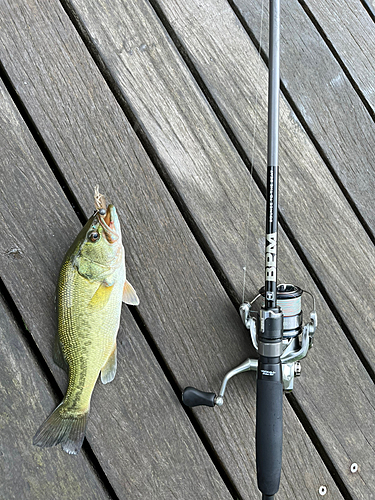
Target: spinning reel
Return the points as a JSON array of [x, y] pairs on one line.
[[296, 342]]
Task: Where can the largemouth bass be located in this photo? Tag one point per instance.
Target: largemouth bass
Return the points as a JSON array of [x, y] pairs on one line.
[[91, 288]]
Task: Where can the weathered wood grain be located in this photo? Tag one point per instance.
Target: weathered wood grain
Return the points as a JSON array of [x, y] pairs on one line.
[[324, 96], [182, 303], [371, 5], [153, 74], [137, 429], [27, 471], [310, 199], [350, 29], [192, 155], [320, 208]]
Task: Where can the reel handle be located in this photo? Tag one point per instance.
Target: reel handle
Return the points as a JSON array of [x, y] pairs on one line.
[[269, 426], [194, 397]]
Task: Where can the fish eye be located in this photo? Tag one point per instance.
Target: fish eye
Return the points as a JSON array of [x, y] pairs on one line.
[[94, 236], [102, 211]]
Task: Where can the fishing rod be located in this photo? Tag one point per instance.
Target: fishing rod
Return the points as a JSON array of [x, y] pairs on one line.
[[276, 329]]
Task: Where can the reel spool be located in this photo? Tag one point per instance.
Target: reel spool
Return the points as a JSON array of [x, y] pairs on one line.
[[289, 299]]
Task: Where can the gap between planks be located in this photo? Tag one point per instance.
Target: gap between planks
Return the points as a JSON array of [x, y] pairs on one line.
[[236, 143], [90, 455], [318, 446], [152, 155], [369, 8], [56, 392], [137, 317], [299, 115], [336, 55], [193, 420], [151, 152], [41, 143]]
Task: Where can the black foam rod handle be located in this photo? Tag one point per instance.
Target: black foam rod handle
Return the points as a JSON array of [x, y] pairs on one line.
[[269, 434], [194, 397]]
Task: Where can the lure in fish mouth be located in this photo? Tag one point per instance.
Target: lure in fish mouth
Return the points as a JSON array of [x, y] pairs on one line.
[[110, 223], [107, 218], [91, 288]]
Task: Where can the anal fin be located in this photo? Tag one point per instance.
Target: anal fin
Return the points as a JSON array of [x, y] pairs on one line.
[[108, 371]]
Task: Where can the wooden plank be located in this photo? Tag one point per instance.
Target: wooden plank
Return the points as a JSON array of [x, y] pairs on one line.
[[303, 166], [157, 73], [350, 29], [137, 429], [325, 98], [214, 48], [25, 394], [304, 180], [202, 179], [371, 6], [182, 302]]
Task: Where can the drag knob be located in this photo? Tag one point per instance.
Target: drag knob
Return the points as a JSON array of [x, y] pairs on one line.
[[193, 397]]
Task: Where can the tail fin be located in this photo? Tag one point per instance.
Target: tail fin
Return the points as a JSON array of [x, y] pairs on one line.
[[69, 431]]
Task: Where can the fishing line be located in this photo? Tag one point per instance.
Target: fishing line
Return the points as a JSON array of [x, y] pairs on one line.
[[247, 223]]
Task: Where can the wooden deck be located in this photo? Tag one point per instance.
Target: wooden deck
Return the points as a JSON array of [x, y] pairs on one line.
[[155, 101]]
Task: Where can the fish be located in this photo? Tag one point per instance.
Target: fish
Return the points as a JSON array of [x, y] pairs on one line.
[[91, 287]]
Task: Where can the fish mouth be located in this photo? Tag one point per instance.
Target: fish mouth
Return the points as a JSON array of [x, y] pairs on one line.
[[110, 224]]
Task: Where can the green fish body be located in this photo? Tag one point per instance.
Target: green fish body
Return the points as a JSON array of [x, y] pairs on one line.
[[91, 288]]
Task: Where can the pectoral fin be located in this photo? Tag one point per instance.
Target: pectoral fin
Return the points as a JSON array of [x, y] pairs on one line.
[[58, 356], [101, 296], [129, 295], [109, 369]]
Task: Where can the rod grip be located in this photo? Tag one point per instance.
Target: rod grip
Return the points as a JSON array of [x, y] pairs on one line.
[[269, 428]]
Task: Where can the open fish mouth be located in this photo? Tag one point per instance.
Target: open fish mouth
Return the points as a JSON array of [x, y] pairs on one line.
[[110, 224], [108, 218]]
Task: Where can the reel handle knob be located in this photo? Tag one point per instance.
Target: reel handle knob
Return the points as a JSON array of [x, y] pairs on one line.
[[194, 397]]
